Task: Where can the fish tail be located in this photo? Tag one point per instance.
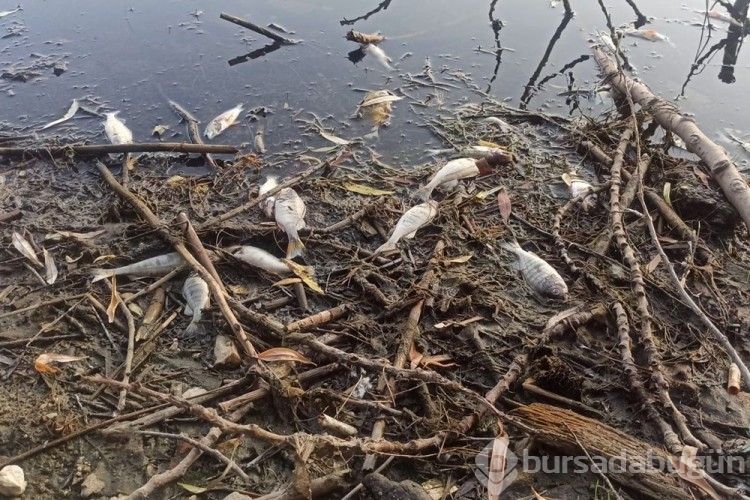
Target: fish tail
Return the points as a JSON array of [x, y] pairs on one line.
[[295, 248], [102, 274], [194, 329], [385, 247], [424, 192], [510, 245]]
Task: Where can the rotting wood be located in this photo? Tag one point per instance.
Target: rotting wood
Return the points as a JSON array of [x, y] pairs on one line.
[[667, 115], [102, 149]]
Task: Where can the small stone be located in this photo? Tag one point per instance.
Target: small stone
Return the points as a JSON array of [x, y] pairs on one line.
[[225, 352], [91, 485], [12, 481]]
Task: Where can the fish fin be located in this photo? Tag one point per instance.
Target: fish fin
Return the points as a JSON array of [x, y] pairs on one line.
[[301, 224], [385, 247], [101, 274], [194, 329], [188, 310], [511, 245], [295, 248], [410, 236], [424, 192]]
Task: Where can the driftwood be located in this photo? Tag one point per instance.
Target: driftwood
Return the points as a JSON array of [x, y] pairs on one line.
[[563, 430], [258, 29], [193, 132], [144, 147], [722, 169]]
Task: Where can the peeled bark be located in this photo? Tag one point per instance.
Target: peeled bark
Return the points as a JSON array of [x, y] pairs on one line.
[[723, 170]]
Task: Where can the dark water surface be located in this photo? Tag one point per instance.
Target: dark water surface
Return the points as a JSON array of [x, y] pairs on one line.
[[134, 55]]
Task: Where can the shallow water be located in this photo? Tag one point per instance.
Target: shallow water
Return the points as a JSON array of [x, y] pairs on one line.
[[132, 56]]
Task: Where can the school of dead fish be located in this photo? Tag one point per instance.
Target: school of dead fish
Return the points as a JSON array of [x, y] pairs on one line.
[[288, 209]]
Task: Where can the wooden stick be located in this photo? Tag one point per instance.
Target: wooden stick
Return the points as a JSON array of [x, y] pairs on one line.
[[52, 302], [733, 379], [10, 216], [146, 147], [258, 29], [198, 249], [318, 319], [193, 132], [178, 245]]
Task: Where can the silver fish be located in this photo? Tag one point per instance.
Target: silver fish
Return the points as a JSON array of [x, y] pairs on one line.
[[289, 212], [537, 272], [9, 12], [257, 257], [407, 226], [155, 266], [267, 205], [223, 121], [116, 131], [197, 298], [651, 35], [578, 187], [377, 53], [462, 168]]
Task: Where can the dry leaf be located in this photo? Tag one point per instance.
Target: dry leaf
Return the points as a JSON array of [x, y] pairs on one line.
[[464, 322], [537, 496], [82, 237], [489, 144], [190, 488], [503, 202], [438, 360], [42, 362], [700, 175], [103, 258], [692, 474], [567, 179], [25, 249], [667, 190], [653, 263], [365, 190], [71, 111], [498, 461], [334, 139], [287, 281], [50, 267], [283, 354], [461, 259], [484, 194], [303, 273], [414, 356], [113, 301]]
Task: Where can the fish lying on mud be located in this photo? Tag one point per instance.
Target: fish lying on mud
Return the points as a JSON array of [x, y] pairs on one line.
[[155, 266], [539, 275], [267, 205], [257, 257], [197, 298], [462, 168], [117, 132], [223, 121], [577, 187], [289, 211], [409, 223]]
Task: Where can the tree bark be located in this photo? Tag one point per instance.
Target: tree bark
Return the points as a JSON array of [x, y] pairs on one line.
[[723, 170]]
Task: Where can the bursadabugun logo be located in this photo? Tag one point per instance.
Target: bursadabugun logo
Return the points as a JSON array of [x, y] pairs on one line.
[[492, 455]]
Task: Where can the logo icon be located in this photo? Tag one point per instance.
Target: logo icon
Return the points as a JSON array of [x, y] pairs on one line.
[[496, 466]]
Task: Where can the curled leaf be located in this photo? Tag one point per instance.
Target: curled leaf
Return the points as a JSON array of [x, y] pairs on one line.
[[334, 139], [287, 281], [25, 249], [460, 259], [503, 202], [42, 362], [283, 354], [50, 267]]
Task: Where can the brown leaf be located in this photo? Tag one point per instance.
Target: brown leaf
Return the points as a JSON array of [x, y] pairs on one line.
[[414, 356], [283, 354], [700, 175], [303, 273], [692, 474], [653, 264], [503, 202], [438, 360], [50, 268], [25, 249], [42, 362], [113, 301], [498, 461]]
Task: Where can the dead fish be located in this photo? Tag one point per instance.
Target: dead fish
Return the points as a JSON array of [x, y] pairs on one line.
[[9, 12], [462, 168], [117, 132], [409, 223], [268, 204], [378, 54], [577, 187], [257, 257], [197, 298], [289, 212], [223, 121], [540, 276], [155, 266], [720, 16], [378, 97], [260, 146], [650, 35], [505, 127]]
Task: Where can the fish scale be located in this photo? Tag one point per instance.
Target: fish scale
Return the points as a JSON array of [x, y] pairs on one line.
[[540, 276]]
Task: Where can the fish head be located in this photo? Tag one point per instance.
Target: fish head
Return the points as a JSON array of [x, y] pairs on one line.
[[558, 291], [498, 157], [590, 203]]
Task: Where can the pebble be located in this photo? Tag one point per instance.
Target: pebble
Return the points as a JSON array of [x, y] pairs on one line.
[[12, 481]]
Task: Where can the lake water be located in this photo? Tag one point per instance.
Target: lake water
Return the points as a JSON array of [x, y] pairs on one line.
[[132, 56]]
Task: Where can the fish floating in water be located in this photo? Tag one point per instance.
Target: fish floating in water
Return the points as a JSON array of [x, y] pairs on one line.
[[377, 53], [577, 187], [197, 298], [407, 226], [539, 275], [155, 266], [651, 35], [462, 168], [117, 132], [377, 106], [223, 121], [268, 204], [9, 12], [289, 212], [720, 16]]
